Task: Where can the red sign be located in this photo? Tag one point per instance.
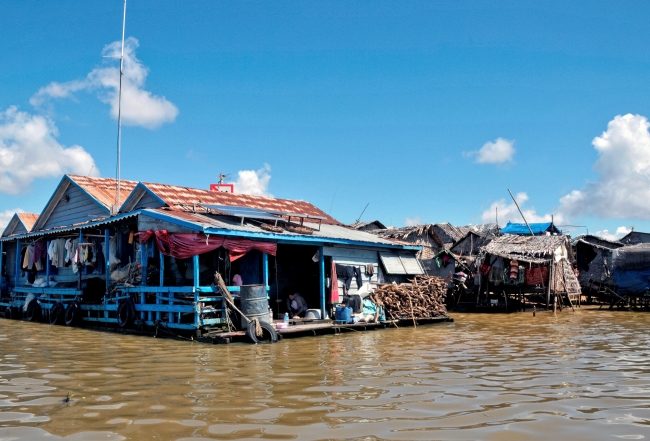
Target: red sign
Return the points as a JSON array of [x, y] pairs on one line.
[[224, 188]]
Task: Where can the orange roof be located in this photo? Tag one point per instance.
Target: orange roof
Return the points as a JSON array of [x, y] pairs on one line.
[[184, 198], [28, 219], [104, 189]]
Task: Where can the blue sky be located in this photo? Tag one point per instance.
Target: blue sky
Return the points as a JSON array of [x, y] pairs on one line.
[[348, 103]]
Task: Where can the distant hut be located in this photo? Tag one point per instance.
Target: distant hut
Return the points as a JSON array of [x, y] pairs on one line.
[[542, 265], [635, 238], [433, 238], [470, 244], [368, 226], [631, 268], [594, 259]]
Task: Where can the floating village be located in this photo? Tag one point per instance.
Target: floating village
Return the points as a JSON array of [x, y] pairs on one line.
[[217, 266]]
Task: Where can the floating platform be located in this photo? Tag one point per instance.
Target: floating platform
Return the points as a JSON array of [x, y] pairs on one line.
[[300, 328]]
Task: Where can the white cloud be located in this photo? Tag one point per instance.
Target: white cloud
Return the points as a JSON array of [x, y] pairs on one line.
[[254, 183], [5, 217], [413, 221], [622, 189], [139, 107], [497, 152], [508, 212], [620, 232], [29, 150]]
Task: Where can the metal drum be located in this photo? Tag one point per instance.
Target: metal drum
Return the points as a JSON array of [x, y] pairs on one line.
[[254, 303]]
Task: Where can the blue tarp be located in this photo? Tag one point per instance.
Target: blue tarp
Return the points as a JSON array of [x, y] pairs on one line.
[[631, 281], [538, 229]]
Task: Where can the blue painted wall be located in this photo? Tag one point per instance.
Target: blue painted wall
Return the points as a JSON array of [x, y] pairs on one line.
[[20, 228], [80, 208], [148, 201]]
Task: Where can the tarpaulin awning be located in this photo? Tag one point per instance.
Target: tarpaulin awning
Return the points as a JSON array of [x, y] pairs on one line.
[[186, 245]]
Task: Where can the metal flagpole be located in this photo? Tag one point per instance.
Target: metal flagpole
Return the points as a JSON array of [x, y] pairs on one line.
[[119, 116]]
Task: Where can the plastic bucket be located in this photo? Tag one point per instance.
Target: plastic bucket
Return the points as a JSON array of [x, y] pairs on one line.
[[254, 304]]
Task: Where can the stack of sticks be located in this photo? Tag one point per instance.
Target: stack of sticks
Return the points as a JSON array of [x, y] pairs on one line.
[[423, 297]]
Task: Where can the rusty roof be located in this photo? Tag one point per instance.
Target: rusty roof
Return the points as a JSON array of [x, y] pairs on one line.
[[104, 189], [188, 199], [28, 219]]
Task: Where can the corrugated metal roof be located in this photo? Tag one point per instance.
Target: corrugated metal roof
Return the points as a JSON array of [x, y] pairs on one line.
[[104, 189], [185, 198], [28, 219], [94, 223], [204, 221]]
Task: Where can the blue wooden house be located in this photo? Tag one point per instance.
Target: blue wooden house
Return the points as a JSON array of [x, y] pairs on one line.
[[152, 265]]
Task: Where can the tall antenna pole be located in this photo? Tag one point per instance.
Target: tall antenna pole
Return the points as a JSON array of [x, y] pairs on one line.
[[522, 214], [119, 114]]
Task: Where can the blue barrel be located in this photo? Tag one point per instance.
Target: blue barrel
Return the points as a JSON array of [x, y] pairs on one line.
[[254, 303]]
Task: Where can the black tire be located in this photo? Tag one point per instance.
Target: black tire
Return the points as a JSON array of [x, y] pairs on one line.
[[8, 313], [34, 311], [125, 313], [57, 314], [268, 333], [72, 314]]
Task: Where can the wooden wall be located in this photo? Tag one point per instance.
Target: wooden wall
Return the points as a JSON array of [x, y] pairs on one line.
[[80, 208], [359, 258], [148, 201]]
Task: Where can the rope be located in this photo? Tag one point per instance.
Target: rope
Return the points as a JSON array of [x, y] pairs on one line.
[[258, 328]]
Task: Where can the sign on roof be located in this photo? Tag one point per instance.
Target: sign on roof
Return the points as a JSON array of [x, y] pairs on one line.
[[224, 188]]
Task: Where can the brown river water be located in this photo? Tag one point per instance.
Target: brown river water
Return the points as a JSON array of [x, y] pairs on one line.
[[574, 376]]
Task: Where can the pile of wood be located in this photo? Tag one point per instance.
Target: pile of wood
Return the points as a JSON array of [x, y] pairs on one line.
[[423, 297]]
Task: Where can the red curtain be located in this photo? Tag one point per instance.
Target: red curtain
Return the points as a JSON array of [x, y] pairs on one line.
[[185, 245]]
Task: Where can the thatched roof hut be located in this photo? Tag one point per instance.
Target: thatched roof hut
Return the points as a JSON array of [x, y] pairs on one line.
[[533, 249], [431, 237], [471, 243], [552, 251]]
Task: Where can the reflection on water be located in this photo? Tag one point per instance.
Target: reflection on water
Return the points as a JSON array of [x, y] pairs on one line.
[[517, 377]]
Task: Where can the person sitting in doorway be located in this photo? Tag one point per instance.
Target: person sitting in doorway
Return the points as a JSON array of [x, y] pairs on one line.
[[296, 306]]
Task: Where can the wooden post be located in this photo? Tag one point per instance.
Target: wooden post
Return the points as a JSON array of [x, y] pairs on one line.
[[161, 280], [144, 262], [19, 248], [548, 287], [265, 269], [195, 262], [47, 266], [107, 249], [2, 260], [321, 285], [81, 240]]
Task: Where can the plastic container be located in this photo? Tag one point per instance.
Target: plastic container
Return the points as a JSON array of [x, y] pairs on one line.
[[286, 317], [313, 314], [343, 314]]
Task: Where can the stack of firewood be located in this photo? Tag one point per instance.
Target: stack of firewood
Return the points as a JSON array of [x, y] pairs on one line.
[[423, 297]]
